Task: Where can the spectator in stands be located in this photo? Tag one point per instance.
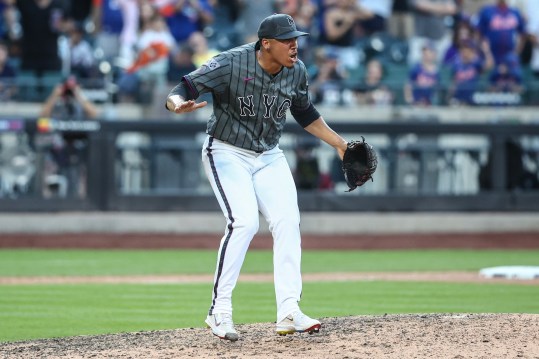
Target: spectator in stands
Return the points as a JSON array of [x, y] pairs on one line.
[[184, 17], [67, 102], [466, 73], [373, 90], [376, 15], [463, 31], [424, 79], [107, 22], [340, 30], [201, 51], [503, 27], [116, 30], [180, 64], [251, 15], [43, 21], [469, 7], [506, 76], [326, 77], [67, 156], [4, 7], [149, 70], [430, 26], [400, 24], [7, 74], [533, 30], [223, 33], [131, 16], [340, 20], [82, 62], [10, 26]]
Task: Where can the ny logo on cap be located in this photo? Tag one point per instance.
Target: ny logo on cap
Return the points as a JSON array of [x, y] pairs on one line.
[[290, 20]]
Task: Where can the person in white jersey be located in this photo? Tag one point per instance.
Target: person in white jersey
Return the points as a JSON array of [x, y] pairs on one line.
[[253, 86]]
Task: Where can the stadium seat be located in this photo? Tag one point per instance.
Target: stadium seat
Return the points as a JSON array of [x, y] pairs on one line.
[[50, 79], [27, 83]]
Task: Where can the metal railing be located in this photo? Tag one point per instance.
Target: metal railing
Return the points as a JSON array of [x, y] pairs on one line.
[[153, 165]]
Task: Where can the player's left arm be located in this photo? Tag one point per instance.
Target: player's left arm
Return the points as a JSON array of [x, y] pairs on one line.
[[310, 119], [320, 129]]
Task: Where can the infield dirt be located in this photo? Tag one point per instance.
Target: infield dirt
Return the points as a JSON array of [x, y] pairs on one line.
[[389, 336]]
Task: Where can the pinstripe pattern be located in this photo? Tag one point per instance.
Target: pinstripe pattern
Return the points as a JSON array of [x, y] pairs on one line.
[[250, 105], [230, 226]]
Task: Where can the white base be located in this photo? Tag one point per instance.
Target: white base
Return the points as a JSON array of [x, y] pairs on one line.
[[511, 272]]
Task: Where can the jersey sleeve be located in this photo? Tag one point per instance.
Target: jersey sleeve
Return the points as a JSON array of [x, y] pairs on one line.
[[302, 108], [213, 76]]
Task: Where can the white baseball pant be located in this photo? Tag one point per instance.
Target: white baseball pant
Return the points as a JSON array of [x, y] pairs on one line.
[[246, 182]]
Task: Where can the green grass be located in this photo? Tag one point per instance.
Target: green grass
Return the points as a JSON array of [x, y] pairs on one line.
[[44, 311], [139, 262]]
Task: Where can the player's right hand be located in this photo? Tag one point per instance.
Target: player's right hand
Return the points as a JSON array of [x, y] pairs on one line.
[[188, 106]]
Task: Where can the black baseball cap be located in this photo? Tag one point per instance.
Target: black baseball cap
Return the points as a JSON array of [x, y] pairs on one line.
[[280, 27]]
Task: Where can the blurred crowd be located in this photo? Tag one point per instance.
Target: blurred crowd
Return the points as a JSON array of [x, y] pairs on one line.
[[71, 55], [375, 52]]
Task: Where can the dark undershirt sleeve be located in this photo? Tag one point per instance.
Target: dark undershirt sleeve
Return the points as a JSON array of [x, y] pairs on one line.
[[305, 116]]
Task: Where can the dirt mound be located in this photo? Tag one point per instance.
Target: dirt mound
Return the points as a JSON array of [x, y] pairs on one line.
[[389, 336]]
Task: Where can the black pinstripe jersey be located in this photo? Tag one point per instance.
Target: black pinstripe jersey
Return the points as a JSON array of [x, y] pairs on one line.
[[249, 104]]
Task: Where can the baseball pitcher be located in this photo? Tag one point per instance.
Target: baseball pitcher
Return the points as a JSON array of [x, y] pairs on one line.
[[253, 86]]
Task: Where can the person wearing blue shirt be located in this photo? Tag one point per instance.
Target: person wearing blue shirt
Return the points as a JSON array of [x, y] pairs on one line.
[[424, 79], [466, 73], [503, 27], [187, 16]]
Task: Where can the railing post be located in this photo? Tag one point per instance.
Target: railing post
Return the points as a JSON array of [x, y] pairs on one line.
[[101, 174], [498, 173]]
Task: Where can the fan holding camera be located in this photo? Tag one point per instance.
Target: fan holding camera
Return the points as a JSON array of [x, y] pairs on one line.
[[67, 151], [68, 103]]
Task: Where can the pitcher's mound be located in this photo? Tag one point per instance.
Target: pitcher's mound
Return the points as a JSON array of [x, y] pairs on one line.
[[390, 336]]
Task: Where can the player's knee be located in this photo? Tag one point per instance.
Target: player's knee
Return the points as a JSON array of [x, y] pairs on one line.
[[249, 224], [285, 220]]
